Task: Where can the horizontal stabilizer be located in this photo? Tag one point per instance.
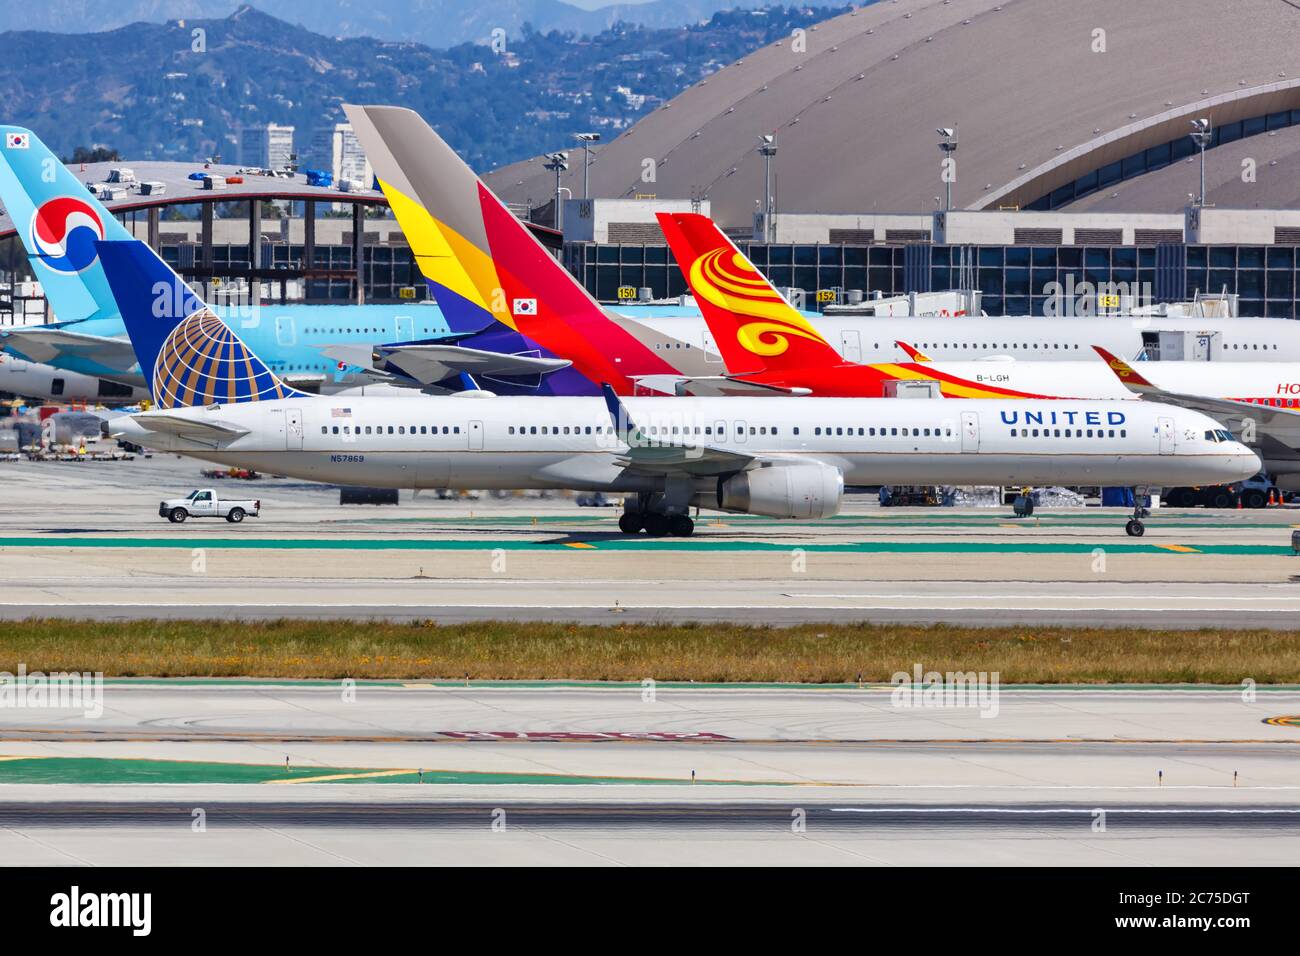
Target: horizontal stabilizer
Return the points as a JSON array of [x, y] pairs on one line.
[[46, 345], [186, 427], [719, 386], [429, 364]]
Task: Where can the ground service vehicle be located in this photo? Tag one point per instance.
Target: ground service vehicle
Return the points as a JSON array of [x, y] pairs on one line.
[[204, 503]]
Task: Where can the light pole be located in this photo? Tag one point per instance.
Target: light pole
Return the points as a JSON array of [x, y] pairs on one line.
[[586, 139], [949, 168], [767, 148], [558, 163], [1202, 134]]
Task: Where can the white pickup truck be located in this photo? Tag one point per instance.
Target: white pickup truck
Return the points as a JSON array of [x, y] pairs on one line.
[[204, 503]]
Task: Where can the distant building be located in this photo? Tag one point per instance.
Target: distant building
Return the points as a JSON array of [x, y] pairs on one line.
[[335, 149], [268, 146]]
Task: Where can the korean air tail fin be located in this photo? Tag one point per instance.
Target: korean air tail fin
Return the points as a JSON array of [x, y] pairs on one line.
[[754, 327], [189, 356], [58, 222]]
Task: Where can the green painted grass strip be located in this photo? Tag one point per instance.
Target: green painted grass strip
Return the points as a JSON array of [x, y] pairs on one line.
[[673, 545], [113, 770]]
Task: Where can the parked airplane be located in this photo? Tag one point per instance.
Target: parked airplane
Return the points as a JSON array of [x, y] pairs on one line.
[[781, 457], [326, 348], [59, 223], [36, 380]]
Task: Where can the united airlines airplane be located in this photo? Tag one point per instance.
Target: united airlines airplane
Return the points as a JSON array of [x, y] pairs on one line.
[[780, 457]]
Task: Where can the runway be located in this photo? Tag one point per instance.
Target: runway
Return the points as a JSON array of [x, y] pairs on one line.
[[1086, 603], [606, 775], [545, 559]]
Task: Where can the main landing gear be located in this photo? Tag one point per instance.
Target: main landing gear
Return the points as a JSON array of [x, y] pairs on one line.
[[1135, 528], [656, 524]]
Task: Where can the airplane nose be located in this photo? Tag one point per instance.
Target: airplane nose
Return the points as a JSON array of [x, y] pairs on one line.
[[1245, 464]]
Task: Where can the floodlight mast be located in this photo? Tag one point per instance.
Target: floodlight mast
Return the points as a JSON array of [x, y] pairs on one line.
[[767, 149], [1202, 134], [948, 147], [558, 163], [587, 140]]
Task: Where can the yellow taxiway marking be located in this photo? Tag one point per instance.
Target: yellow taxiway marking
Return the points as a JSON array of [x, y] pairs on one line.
[[1179, 547], [27, 757], [346, 776], [579, 544]]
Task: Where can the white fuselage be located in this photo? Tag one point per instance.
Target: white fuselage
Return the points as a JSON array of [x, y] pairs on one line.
[[1267, 384], [501, 442], [47, 383], [1276, 384], [870, 339]]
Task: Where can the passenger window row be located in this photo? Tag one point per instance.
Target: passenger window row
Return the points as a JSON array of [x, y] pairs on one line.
[[1067, 433], [887, 432], [560, 430], [392, 429], [986, 345]]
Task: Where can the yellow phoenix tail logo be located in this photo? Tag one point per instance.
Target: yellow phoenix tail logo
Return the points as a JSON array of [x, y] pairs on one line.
[[726, 279]]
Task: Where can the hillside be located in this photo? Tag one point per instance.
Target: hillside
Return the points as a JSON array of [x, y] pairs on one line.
[[435, 23], [141, 90]]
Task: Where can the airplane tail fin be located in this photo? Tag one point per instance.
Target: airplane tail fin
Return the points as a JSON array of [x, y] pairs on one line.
[[480, 261], [1130, 377], [58, 223], [189, 356], [754, 327]]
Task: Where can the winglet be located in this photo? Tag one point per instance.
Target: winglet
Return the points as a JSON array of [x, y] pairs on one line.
[[624, 427], [915, 354], [1126, 373]]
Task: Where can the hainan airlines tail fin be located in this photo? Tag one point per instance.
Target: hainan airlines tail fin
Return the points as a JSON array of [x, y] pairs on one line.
[[58, 223], [755, 329], [187, 354]]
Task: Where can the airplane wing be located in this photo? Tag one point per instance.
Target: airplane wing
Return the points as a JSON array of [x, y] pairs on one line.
[[651, 455], [186, 427], [714, 386], [45, 345], [1221, 409], [428, 364]]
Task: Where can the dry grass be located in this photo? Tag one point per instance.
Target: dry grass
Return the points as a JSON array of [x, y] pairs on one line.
[[500, 650]]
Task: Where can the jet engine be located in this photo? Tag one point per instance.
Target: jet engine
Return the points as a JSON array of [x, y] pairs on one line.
[[797, 490]]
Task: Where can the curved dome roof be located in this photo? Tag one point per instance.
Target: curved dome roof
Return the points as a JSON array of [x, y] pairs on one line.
[[1037, 105]]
